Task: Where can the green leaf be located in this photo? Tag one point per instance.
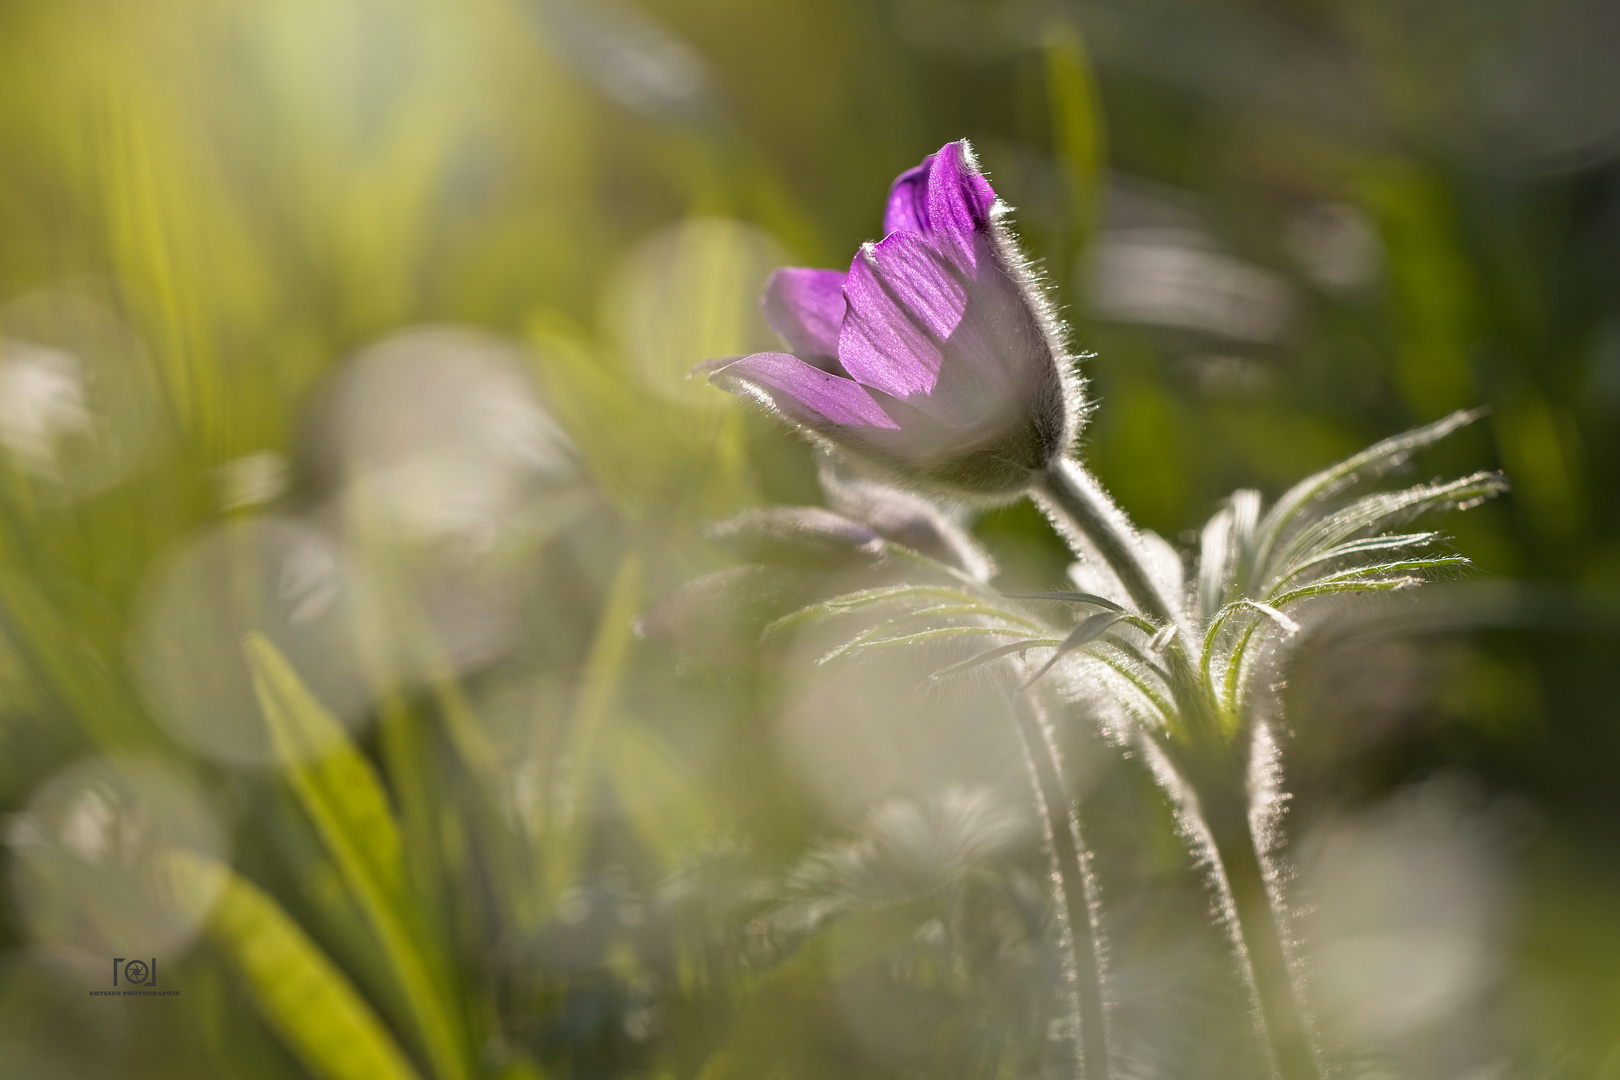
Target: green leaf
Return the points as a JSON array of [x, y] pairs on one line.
[[1403, 566], [990, 656], [1273, 614], [338, 787], [1226, 552], [1375, 512], [1085, 632], [840, 605], [1126, 661], [937, 635], [1379, 457], [1338, 588], [344, 797], [934, 611], [1366, 545], [1069, 597], [590, 725], [304, 998]]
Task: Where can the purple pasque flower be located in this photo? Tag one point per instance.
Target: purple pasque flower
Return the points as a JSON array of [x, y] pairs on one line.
[[935, 356]]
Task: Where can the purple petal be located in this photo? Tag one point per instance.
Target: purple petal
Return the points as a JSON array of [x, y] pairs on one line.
[[806, 307], [945, 195], [905, 300], [907, 209], [961, 345], [959, 202], [802, 392]]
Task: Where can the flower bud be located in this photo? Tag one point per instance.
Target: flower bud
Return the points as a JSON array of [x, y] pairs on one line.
[[935, 357]]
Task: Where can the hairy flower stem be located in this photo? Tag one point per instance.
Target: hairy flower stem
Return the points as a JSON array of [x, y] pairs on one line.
[[1275, 991], [1074, 895], [1095, 527], [1089, 519]]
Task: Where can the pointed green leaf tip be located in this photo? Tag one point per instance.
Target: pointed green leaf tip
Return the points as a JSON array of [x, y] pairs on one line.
[[1088, 630], [337, 786], [301, 994], [344, 798]]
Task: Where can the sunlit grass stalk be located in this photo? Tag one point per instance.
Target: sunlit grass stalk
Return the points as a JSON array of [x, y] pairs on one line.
[[1076, 904], [1094, 525], [1254, 914], [593, 709]]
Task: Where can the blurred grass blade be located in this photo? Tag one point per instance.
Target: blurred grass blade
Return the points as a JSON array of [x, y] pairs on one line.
[[1077, 125], [337, 786], [593, 706], [344, 797], [864, 938], [144, 227], [301, 994], [665, 807], [65, 663]]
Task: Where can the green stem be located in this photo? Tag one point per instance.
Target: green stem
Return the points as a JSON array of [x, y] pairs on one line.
[[1074, 896], [1090, 520], [1095, 526], [1243, 880]]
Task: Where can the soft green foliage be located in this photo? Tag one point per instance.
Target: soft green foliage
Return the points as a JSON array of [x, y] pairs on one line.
[[300, 992], [591, 790], [1255, 577], [343, 795]]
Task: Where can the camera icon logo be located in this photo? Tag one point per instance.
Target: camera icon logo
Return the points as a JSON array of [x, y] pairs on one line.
[[136, 972]]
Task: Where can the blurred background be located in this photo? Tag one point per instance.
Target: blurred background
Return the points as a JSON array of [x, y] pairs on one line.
[[364, 326]]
